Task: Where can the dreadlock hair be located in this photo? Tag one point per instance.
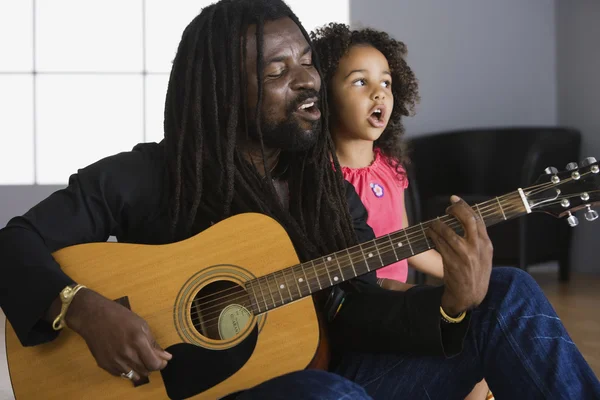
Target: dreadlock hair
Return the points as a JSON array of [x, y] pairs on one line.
[[333, 41], [208, 175]]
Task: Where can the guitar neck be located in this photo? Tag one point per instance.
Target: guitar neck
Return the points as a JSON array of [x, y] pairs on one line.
[[289, 284]]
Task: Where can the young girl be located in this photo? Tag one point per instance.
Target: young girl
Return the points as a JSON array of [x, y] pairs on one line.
[[369, 88]]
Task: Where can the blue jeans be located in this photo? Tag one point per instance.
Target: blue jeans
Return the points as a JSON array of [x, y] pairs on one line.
[[516, 342]]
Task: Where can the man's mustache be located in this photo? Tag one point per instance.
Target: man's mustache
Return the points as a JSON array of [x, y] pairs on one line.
[[307, 94]]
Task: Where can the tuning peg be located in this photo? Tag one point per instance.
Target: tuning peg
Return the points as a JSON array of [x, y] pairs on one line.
[[551, 171], [590, 214], [572, 220], [572, 166], [587, 161]]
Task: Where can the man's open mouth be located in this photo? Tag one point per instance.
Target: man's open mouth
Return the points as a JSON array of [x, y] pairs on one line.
[[309, 110]]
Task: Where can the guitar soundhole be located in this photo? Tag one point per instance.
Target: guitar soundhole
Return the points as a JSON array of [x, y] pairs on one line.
[[221, 310]]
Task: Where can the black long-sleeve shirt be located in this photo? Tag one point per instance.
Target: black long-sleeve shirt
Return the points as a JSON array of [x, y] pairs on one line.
[[123, 195]]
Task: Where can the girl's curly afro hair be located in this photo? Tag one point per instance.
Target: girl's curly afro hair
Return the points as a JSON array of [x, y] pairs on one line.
[[334, 40]]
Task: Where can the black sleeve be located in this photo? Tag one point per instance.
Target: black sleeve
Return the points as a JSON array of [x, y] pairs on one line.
[[98, 202], [369, 318]]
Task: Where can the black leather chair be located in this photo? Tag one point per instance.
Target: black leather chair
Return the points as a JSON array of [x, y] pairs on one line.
[[480, 164]]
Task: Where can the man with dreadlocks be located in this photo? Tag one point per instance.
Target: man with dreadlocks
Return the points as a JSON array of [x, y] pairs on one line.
[[246, 131]]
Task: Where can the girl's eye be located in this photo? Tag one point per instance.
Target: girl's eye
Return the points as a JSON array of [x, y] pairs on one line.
[[386, 84], [359, 82]]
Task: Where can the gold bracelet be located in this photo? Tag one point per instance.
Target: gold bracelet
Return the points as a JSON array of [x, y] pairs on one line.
[[66, 297], [451, 320]]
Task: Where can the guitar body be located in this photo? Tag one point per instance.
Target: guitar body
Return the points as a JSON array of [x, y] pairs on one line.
[[217, 349]]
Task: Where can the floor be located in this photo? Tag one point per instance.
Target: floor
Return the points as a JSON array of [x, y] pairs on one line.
[[577, 304]]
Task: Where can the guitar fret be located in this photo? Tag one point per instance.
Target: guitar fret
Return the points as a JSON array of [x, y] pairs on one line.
[[292, 284], [313, 280], [409, 244], [388, 254], [328, 274], [263, 294], [501, 209], [479, 212], [266, 290], [364, 256], [378, 252], [340, 268], [351, 265], [255, 297], [297, 283], [285, 283], [425, 236], [277, 287], [393, 246], [305, 278], [370, 259], [316, 274], [329, 259], [281, 287]]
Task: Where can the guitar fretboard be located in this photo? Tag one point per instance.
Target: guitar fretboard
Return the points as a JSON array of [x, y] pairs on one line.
[[289, 284]]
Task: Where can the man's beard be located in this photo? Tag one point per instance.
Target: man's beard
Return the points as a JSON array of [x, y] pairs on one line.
[[288, 135]]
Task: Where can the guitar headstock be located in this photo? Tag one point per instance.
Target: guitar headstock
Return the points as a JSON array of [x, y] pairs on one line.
[[562, 193]]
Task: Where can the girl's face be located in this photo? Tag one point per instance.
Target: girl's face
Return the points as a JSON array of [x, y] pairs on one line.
[[361, 99]]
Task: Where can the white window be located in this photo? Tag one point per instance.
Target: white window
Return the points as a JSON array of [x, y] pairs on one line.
[[84, 79]]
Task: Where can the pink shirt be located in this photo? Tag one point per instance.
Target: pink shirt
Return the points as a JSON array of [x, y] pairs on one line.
[[380, 188]]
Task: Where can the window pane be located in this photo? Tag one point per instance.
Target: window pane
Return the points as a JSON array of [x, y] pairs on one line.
[[76, 35], [328, 11], [16, 129], [156, 92], [82, 119], [16, 35], [165, 22]]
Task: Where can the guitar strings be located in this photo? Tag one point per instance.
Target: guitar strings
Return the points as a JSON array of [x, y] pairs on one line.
[[322, 270], [365, 247], [410, 233], [211, 317], [318, 272], [206, 323], [419, 234], [321, 267]]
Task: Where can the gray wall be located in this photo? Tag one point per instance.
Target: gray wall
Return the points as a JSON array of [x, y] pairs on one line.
[[15, 200], [578, 35], [509, 62], [479, 62]]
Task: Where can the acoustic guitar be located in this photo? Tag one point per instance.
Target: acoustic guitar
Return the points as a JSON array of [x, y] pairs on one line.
[[233, 304]]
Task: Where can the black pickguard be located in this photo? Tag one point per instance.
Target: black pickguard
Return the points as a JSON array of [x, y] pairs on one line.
[[194, 369]]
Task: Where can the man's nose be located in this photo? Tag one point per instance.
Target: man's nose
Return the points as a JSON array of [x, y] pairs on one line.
[[305, 79]]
